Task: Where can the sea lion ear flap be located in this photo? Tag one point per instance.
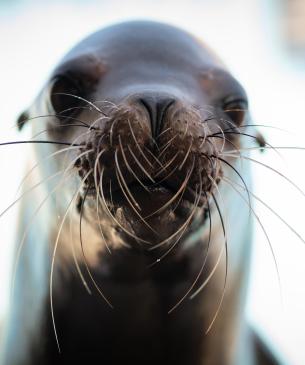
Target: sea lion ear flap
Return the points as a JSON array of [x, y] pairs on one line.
[[260, 140], [23, 118], [257, 137]]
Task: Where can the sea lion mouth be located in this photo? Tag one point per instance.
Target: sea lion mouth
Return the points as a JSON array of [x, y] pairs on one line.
[[159, 214], [147, 196]]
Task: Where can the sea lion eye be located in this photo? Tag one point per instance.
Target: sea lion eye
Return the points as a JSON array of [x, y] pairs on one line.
[[65, 97], [236, 109]]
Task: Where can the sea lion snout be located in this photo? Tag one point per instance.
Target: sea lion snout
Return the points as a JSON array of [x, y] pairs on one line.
[[151, 141]]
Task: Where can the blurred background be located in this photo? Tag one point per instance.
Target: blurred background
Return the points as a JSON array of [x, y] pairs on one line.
[[263, 44]]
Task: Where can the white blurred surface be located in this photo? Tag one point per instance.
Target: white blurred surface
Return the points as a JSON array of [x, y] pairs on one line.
[[33, 36]]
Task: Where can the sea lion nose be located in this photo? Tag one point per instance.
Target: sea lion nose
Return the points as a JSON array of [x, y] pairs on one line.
[[156, 107]]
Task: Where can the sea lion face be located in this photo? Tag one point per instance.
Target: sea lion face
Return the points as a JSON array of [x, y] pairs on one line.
[[144, 106]]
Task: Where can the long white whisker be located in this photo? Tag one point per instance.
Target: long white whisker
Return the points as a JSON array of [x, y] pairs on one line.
[[83, 280], [27, 229], [272, 169], [104, 204], [273, 211], [54, 253], [29, 190], [85, 261], [97, 197], [43, 160], [232, 184]]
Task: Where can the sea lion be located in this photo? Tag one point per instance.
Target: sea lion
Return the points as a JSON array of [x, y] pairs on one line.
[[139, 198]]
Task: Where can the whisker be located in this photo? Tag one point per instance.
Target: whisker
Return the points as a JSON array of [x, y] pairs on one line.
[[226, 258], [137, 145], [266, 147], [92, 126], [183, 226], [237, 172], [74, 108], [104, 204], [53, 259], [168, 175], [153, 156], [139, 164], [163, 132], [258, 125], [203, 285], [29, 190], [82, 247], [51, 116], [128, 166], [180, 191], [131, 203], [82, 135], [100, 227], [43, 160], [27, 229], [113, 105], [118, 169], [266, 144], [83, 280], [224, 138], [203, 264], [186, 155], [207, 280], [39, 141], [55, 128], [97, 198], [181, 229], [223, 143], [34, 216], [166, 146], [232, 184], [82, 99], [272, 169], [167, 165], [274, 212]]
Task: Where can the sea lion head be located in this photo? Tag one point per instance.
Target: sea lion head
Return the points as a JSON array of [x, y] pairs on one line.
[[144, 108]]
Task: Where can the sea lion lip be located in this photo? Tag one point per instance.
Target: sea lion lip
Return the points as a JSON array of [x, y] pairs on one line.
[[133, 187], [189, 195]]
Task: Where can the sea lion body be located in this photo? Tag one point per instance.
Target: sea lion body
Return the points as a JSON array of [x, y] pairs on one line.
[[142, 103]]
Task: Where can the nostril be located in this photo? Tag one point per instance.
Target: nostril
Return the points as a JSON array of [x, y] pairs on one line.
[[157, 108], [162, 107], [149, 104]]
